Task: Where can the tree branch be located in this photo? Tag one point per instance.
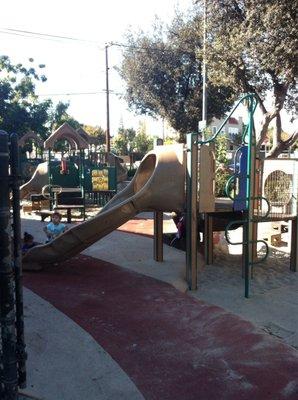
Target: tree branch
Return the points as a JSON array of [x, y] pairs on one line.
[[283, 145]]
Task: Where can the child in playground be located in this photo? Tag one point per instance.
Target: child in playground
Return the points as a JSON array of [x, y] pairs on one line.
[[179, 239], [28, 242], [55, 228]]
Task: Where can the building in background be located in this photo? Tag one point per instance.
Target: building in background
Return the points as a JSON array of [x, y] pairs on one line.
[[233, 130]]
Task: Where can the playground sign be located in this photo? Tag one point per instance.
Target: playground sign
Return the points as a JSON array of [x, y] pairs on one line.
[[100, 179]]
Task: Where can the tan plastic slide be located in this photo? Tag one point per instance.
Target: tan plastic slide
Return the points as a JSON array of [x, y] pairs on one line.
[[157, 185], [39, 179]]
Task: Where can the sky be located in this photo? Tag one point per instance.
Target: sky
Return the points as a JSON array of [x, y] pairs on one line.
[[77, 67]]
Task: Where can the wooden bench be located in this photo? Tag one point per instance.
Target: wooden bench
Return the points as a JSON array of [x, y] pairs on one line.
[[68, 209], [46, 213]]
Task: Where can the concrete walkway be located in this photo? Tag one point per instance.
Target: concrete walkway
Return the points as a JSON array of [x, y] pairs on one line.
[[65, 362]]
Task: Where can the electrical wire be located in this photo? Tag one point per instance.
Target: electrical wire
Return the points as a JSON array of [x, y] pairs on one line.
[[79, 93], [58, 38], [46, 36]]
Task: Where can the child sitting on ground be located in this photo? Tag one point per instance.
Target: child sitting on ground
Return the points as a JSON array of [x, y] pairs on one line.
[[55, 228], [28, 242], [178, 240]]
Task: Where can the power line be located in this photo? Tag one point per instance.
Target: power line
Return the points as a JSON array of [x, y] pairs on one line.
[[50, 35], [46, 36], [79, 93], [58, 38], [150, 48]]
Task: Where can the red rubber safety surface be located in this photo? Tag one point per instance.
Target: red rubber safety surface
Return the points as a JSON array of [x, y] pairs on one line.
[[172, 346]]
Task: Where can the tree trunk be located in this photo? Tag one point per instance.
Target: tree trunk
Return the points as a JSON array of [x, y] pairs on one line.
[[277, 133], [283, 145]]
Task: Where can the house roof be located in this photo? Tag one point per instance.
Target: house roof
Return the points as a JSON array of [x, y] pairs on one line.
[[233, 121]]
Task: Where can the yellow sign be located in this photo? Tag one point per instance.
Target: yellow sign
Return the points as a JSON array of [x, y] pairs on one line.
[[100, 179]]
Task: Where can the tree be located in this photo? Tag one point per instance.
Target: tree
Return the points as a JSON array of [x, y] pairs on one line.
[[124, 141], [59, 115], [20, 110], [221, 171], [163, 75], [143, 142], [252, 47], [96, 131]]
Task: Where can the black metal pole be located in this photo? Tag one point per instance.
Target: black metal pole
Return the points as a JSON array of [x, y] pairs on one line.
[[9, 375], [15, 179]]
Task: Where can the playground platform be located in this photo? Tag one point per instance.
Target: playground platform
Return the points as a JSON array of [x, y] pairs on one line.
[[117, 325]]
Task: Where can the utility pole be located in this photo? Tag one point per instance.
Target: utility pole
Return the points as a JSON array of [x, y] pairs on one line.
[[204, 105], [108, 146]]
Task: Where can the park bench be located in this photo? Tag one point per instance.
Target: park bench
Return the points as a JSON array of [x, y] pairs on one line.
[[68, 208], [67, 200]]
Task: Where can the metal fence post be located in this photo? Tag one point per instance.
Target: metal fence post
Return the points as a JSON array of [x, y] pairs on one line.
[[15, 180], [9, 378]]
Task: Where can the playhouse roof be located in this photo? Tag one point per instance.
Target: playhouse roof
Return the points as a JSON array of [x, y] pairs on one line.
[[30, 135], [68, 133]]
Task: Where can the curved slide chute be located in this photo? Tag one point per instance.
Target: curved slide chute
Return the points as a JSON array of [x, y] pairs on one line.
[[39, 179], [158, 185]]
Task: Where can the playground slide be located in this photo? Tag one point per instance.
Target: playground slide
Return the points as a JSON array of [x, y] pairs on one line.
[[157, 185], [37, 182]]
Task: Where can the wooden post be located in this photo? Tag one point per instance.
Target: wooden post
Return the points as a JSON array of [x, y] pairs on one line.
[[158, 233], [191, 211], [208, 238], [294, 246]]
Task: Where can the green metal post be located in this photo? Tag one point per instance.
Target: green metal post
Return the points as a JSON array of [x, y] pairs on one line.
[[249, 236], [82, 180], [191, 210]]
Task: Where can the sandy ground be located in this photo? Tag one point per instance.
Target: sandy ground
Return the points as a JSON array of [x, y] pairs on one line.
[[273, 305]]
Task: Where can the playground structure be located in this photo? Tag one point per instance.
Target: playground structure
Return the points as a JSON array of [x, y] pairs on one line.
[[247, 202], [159, 186], [31, 154], [161, 173], [77, 177]]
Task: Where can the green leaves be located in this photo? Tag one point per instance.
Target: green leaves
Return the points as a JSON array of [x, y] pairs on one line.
[[163, 75], [128, 141]]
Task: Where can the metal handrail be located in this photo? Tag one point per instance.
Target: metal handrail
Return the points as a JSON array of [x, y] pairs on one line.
[[247, 96], [231, 223], [240, 221], [268, 204], [260, 260], [227, 186]]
